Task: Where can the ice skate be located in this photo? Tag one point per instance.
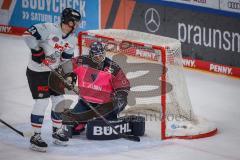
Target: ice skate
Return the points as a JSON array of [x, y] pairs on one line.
[[59, 137], [37, 144]]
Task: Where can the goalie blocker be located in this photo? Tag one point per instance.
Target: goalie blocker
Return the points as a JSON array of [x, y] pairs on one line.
[[98, 130]]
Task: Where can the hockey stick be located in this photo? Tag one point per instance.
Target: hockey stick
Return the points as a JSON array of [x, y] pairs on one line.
[[23, 134], [128, 137]]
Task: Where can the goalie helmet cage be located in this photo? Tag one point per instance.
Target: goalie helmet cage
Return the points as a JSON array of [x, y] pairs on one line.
[[146, 51]]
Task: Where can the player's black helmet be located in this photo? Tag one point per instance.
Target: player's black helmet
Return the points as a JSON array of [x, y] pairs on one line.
[[70, 14], [97, 52]]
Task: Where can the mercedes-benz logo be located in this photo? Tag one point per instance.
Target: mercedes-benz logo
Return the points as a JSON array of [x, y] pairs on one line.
[[152, 20]]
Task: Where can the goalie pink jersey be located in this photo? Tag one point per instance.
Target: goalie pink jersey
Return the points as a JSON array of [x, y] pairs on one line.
[[97, 86]]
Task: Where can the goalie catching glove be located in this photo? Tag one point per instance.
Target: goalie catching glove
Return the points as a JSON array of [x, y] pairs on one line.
[[57, 84]]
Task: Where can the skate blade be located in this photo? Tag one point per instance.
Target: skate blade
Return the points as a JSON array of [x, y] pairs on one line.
[[60, 143], [38, 149]]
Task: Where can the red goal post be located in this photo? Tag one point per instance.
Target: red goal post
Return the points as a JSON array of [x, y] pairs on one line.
[[157, 50]]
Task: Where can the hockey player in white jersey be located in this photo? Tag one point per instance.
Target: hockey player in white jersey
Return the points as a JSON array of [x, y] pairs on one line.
[[52, 44]]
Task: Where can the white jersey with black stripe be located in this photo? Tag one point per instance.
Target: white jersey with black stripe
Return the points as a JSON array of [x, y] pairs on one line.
[[50, 37]]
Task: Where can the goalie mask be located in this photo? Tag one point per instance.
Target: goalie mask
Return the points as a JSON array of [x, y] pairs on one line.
[[97, 52]]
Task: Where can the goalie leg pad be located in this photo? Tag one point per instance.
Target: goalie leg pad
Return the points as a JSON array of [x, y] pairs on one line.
[[98, 130], [137, 124], [72, 118]]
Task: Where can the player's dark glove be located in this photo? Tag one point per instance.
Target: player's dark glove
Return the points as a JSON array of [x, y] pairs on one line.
[[38, 55], [119, 101]]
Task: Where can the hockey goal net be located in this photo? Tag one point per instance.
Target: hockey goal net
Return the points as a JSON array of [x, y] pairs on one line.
[[153, 65]]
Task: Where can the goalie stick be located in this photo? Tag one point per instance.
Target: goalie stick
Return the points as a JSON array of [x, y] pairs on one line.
[[128, 137], [23, 134]]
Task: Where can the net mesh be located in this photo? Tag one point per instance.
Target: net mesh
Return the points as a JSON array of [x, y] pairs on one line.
[[153, 65], [140, 57]]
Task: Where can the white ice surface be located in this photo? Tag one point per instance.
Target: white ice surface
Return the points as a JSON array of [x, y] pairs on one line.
[[214, 97]]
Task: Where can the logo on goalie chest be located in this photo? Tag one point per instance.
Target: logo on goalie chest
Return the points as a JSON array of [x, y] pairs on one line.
[[95, 87]]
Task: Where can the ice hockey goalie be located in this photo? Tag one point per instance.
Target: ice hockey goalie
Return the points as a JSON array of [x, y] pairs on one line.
[[102, 84]]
